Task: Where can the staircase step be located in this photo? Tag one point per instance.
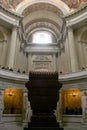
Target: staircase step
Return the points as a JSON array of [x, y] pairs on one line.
[[44, 118], [43, 128], [42, 124]]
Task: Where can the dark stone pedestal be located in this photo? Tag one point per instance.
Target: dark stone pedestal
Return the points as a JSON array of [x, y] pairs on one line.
[[43, 91], [43, 121]]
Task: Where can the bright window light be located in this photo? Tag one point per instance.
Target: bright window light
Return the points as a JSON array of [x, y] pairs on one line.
[[42, 37]]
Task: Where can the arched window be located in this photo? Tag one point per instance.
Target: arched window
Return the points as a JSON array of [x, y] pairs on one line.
[[43, 37]]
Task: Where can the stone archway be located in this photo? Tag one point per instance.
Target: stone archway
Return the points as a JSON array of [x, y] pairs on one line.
[[59, 4]]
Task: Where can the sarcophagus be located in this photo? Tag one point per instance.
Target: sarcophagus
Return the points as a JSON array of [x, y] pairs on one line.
[[43, 91]]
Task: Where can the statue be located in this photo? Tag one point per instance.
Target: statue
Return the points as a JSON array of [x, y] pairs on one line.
[[27, 107], [28, 112]]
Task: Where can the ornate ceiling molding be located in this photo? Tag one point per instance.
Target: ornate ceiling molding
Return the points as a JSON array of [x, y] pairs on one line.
[[42, 23], [39, 14], [54, 32], [57, 3], [73, 4], [43, 20], [42, 6]]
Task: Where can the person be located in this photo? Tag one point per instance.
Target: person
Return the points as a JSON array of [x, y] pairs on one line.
[[1, 105]]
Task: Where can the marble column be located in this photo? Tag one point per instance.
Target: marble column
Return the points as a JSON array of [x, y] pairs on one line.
[[1, 104], [29, 68], [84, 106], [81, 57], [54, 62], [57, 68], [84, 44], [59, 63], [12, 48], [1, 53], [72, 48], [3, 56]]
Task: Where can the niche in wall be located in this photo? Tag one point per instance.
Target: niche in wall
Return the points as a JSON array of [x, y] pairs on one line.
[[13, 101], [71, 101]]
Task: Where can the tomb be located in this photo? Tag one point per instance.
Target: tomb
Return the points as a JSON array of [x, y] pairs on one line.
[[43, 94]]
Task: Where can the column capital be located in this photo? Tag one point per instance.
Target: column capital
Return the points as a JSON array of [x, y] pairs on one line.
[[15, 28], [70, 28]]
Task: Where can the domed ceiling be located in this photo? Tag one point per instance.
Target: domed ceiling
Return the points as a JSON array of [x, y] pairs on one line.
[[71, 3], [43, 16]]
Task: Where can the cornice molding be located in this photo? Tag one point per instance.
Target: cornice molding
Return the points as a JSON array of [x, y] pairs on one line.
[[77, 16], [9, 16], [9, 19], [22, 78], [75, 76], [12, 13], [41, 49], [77, 11], [14, 76]]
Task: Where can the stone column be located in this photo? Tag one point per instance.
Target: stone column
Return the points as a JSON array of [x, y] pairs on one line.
[[29, 62], [12, 47], [84, 50], [3, 56], [84, 106], [81, 57], [1, 52], [57, 62], [26, 67], [1, 105], [72, 48], [59, 68], [54, 62]]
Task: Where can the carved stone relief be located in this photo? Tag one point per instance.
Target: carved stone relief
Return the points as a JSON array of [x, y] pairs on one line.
[[42, 62]]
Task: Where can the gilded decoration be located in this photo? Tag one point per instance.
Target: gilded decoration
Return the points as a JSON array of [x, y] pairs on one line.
[[13, 101], [71, 100]]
